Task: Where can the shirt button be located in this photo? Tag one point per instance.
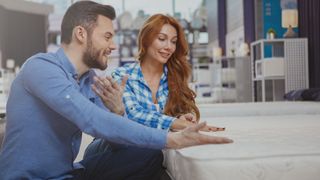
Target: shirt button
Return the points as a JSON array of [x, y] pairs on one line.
[[68, 96], [113, 74]]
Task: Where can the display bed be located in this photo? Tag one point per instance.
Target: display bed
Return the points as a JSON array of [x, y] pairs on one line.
[[282, 146]]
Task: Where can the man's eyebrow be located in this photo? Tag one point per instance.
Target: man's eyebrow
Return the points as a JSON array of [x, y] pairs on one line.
[[108, 34]]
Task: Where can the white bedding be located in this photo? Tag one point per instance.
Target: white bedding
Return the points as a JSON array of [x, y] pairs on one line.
[[266, 147]]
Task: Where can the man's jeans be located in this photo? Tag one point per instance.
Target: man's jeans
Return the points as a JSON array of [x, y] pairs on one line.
[[107, 161]]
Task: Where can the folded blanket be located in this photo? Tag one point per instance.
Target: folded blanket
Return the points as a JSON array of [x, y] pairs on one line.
[[312, 94]]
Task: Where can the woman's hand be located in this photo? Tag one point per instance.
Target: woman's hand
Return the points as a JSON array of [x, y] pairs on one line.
[[182, 123], [209, 128], [110, 93], [189, 117]]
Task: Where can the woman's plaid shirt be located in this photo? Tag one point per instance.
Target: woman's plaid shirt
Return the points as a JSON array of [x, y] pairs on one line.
[[137, 97]]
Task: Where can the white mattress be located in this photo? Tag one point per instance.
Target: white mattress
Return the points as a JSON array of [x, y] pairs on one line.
[[283, 147]]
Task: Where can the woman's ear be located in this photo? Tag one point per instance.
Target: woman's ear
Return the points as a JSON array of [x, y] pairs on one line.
[[80, 34]]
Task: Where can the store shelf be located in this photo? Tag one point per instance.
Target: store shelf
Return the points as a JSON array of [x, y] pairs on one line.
[[278, 66], [232, 82]]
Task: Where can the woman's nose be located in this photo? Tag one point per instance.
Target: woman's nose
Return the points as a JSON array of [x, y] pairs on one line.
[[169, 46]]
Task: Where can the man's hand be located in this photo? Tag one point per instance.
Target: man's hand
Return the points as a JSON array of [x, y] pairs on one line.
[[110, 93], [190, 136]]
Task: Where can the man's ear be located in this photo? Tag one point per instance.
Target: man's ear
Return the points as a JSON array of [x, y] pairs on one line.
[[80, 34]]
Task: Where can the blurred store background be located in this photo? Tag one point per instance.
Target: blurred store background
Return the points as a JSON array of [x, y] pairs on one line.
[[240, 50]]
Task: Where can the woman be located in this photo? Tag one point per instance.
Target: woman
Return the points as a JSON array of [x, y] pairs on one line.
[[157, 92]]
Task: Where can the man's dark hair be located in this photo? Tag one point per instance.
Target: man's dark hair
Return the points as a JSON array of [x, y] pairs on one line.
[[85, 14]]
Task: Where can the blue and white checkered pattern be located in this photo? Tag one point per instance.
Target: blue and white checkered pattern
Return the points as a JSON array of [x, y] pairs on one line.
[[137, 97]]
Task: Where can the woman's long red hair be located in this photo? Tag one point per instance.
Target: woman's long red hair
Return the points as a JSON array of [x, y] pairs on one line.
[[181, 98]]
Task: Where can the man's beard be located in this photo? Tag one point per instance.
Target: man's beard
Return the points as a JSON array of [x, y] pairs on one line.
[[91, 56]]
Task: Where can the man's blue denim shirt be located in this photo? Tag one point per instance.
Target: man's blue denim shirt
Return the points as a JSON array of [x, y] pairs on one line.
[[48, 109]]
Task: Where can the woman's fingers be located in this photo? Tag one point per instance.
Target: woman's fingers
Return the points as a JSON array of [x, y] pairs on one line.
[[209, 128], [191, 117], [214, 128]]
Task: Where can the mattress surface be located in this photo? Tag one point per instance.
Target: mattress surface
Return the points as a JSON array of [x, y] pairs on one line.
[[284, 147]]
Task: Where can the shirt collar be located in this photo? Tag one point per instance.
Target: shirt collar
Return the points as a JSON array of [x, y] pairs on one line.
[[137, 72], [66, 63], [165, 70]]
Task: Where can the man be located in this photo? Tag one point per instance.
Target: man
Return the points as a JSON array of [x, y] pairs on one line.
[[51, 103]]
